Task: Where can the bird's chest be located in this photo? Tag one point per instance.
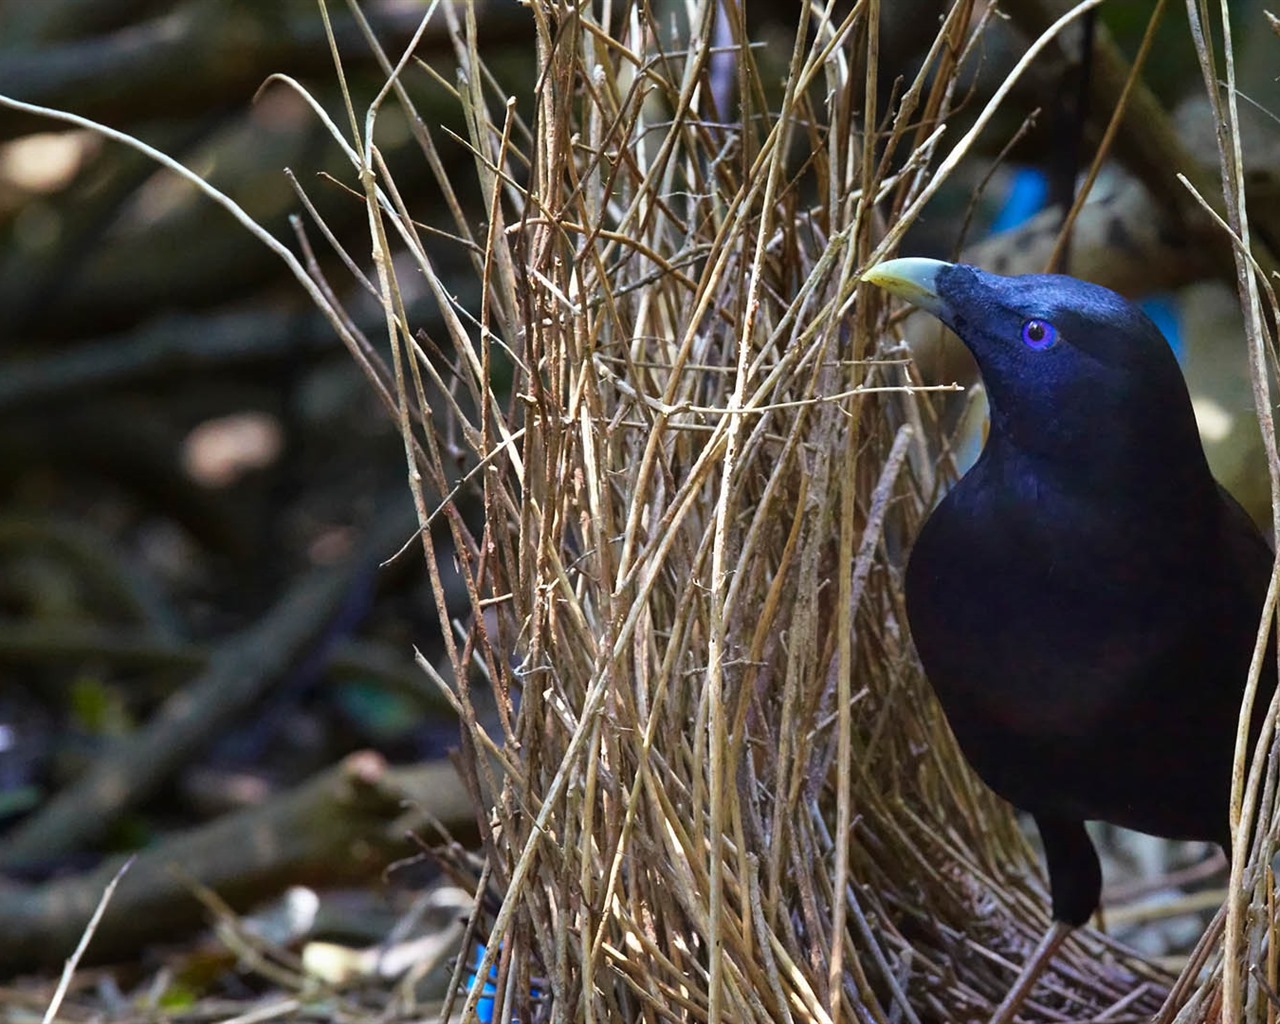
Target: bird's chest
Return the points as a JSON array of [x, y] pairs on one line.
[[1037, 611]]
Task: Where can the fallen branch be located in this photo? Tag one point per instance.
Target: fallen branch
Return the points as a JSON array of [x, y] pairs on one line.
[[345, 825]]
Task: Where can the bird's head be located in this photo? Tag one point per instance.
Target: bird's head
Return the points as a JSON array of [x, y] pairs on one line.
[[1072, 369]]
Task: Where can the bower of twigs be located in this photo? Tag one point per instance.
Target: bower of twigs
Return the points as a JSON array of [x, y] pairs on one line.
[[723, 790], [720, 787]]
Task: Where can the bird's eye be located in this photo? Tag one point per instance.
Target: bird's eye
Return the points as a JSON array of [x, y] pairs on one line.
[[1038, 334]]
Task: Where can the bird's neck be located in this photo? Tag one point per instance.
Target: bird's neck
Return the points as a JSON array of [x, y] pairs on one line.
[[1150, 473], [1120, 444]]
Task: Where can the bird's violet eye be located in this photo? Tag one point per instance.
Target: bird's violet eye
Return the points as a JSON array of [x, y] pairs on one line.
[[1038, 334]]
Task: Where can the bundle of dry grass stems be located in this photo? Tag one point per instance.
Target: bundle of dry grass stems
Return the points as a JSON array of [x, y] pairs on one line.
[[721, 788]]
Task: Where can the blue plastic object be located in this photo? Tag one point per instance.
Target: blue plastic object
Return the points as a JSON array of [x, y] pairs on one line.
[[484, 1007], [485, 1004], [1027, 192], [1164, 314]]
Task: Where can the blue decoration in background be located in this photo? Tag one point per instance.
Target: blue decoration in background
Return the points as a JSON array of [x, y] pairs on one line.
[[484, 1005], [1164, 314], [1027, 194]]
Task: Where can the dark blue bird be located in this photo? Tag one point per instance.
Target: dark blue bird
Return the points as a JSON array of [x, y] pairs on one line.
[[1085, 600]]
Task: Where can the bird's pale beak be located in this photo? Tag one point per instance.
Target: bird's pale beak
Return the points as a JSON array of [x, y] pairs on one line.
[[913, 279]]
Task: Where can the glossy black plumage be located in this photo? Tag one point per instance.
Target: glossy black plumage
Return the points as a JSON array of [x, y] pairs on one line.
[[1085, 599]]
